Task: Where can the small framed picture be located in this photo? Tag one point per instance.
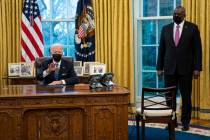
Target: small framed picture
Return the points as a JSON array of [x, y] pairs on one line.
[[77, 63], [78, 70], [97, 69], [87, 67], [29, 89], [13, 69], [27, 69]]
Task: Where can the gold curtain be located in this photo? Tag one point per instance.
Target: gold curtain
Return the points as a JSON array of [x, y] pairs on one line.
[[10, 16], [198, 12], [114, 41]]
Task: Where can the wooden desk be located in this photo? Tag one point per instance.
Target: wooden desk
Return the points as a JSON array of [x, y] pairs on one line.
[[21, 80], [32, 112], [32, 80]]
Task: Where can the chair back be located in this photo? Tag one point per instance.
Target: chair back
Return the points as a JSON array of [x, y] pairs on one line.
[[158, 99]]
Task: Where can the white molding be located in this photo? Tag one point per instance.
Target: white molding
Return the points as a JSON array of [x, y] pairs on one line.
[[155, 18]]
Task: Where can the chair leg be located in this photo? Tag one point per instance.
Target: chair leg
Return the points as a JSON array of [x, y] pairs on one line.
[[171, 131], [137, 126], [143, 129]]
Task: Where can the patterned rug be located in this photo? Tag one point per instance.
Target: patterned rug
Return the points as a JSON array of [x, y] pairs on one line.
[[199, 130]]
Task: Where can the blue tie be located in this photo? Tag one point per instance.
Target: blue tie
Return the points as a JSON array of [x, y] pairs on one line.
[[56, 74]]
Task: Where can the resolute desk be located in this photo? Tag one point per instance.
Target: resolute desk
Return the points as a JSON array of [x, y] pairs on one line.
[[30, 112]]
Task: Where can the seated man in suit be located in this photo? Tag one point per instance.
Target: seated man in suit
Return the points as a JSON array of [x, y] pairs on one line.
[[57, 71]]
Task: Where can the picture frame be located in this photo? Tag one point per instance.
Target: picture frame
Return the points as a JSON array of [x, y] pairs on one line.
[[77, 63], [97, 69], [29, 89], [86, 66], [78, 70], [13, 69], [27, 69]]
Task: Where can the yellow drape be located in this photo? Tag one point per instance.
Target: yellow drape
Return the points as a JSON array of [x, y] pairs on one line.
[[198, 12], [10, 15], [114, 41]]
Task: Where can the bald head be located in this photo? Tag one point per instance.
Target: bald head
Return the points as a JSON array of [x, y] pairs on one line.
[[56, 49], [179, 14]]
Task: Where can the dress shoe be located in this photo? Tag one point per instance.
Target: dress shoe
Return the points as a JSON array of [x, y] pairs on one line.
[[185, 128]]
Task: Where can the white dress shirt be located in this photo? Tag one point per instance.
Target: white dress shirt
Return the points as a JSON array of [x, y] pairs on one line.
[[180, 29]]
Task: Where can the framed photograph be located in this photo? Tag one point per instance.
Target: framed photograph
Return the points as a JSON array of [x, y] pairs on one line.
[[87, 66], [29, 89], [13, 69], [97, 69], [78, 70], [77, 63], [27, 69]]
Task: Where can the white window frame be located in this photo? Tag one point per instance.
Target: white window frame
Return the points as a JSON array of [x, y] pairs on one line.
[[138, 17]]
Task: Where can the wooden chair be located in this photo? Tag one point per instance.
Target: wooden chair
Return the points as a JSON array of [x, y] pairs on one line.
[[153, 109]]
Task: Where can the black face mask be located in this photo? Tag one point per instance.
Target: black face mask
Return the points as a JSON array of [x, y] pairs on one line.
[[56, 57], [177, 19]]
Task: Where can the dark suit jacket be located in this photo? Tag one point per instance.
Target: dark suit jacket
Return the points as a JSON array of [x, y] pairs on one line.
[[66, 72], [186, 57]]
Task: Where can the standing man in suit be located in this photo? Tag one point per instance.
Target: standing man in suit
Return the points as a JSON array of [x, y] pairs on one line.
[[180, 57], [57, 71]]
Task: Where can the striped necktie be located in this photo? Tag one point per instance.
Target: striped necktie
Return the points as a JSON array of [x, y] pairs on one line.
[[56, 74]]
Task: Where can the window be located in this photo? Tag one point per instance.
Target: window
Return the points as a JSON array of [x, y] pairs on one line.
[[58, 24], [150, 16]]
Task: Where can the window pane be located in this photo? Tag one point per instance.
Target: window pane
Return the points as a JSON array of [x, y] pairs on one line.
[[46, 32], [150, 8], [161, 81], [65, 51], [166, 7], [72, 8], [148, 32], [149, 79], [59, 9], [60, 32], [178, 2], [71, 51], [71, 31], [44, 7], [46, 50], [162, 23], [149, 58]]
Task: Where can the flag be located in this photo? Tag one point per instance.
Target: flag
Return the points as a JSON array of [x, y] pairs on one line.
[[31, 32], [82, 31], [85, 32]]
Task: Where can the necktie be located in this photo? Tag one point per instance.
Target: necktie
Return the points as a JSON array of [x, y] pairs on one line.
[[56, 72], [177, 36]]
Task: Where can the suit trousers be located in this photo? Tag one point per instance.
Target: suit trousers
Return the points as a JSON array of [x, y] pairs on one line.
[[184, 84]]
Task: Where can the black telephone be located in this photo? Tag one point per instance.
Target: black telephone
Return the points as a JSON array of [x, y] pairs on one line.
[[106, 79], [94, 81]]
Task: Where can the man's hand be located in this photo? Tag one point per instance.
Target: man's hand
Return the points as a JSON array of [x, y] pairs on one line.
[[56, 83], [51, 67], [196, 74], [159, 72]]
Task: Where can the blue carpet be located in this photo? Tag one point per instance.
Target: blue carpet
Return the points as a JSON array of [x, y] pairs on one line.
[[161, 134]]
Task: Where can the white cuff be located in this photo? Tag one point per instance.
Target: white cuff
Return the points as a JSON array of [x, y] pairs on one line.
[[45, 73], [63, 82]]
